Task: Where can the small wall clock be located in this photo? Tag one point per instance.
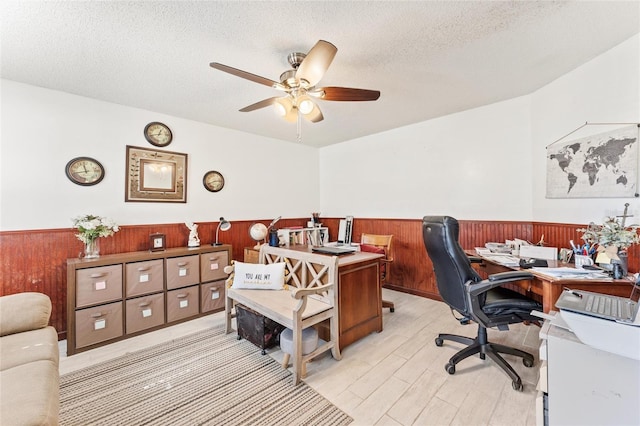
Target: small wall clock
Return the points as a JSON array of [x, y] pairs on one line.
[[157, 242], [158, 134], [213, 181], [84, 171]]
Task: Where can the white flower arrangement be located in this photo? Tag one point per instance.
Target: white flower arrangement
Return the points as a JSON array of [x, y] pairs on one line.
[[91, 227]]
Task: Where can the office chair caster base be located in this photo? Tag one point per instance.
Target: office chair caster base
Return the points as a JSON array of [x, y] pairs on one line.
[[392, 309], [527, 362], [439, 341], [450, 368], [517, 386]]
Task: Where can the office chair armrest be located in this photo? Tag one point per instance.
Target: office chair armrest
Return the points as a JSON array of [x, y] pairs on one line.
[[474, 259], [474, 290], [496, 280], [511, 276]]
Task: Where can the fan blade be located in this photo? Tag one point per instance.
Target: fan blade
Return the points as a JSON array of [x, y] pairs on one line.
[[315, 115], [262, 104], [345, 94], [317, 62], [247, 75]]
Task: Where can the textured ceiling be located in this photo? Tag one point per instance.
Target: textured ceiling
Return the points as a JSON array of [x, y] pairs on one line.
[[428, 58]]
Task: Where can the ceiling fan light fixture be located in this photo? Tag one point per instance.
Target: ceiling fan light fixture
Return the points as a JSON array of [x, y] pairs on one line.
[[299, 86], [305, 105], [283, 106]]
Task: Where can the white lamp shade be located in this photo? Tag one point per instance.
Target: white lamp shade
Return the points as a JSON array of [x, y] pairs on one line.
[[305, 104], [283, 105]]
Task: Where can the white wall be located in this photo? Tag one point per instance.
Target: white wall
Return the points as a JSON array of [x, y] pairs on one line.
[[43, 129], [452, 165], [604, 90], [489, 162]]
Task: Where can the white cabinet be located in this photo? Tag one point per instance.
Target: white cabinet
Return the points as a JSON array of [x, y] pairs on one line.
[[583, 385]]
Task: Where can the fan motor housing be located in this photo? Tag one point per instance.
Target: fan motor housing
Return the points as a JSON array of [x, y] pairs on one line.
[[295, 59]]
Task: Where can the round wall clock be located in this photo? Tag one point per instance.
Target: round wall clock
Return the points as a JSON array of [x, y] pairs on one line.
[[84, 171], [213, 181], [158, 134]]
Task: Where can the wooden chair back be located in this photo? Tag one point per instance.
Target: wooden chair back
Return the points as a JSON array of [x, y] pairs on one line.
[[383, 242]]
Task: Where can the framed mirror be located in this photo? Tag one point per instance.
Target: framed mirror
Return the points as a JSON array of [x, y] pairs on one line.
[[156, 176]]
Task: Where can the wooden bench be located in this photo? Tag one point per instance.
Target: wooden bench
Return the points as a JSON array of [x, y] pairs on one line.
[[311, 297]]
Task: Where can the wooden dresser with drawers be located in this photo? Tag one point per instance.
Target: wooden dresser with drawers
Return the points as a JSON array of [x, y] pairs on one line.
[[117, 296]]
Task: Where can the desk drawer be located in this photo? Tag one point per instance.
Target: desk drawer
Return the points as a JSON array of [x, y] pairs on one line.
[[144, 277], [98, 285], [145, 312], [182, 271], [212, 296], [98, 324], [212, 265], [182, 303]]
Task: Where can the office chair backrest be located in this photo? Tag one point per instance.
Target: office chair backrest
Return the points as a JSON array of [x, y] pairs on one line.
[[450, 263]]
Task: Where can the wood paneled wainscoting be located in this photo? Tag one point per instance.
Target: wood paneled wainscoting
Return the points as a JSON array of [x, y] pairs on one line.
[[412, 271], [35, 260]]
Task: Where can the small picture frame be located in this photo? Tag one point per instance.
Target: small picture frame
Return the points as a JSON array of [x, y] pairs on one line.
[[157, 242]]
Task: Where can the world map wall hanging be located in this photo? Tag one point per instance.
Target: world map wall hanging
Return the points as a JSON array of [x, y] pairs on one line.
[[601, 165]]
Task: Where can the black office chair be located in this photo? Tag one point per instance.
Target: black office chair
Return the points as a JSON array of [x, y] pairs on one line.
[[482, 301]]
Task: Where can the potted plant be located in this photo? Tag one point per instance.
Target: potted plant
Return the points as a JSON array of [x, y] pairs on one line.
[[613, 239]]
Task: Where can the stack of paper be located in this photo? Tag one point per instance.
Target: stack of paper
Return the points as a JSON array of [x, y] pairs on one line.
[[571, 273], [503, 259]]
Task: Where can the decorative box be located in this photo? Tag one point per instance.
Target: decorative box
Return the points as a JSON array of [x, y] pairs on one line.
[[256, 328]]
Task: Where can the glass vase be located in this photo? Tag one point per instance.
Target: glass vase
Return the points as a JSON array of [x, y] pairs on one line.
[[92, 249]]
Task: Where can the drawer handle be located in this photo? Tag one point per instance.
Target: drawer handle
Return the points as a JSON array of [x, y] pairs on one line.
[[214, 258], [97, 315], [144, 304], [98, 275], [181, 295], [144, 269], [212, 289], [183, 263]]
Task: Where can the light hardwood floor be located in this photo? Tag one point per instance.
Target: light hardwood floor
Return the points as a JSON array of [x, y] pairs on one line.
[[395, 377]]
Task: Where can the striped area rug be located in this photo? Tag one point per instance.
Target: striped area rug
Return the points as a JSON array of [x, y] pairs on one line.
[[206, 378]]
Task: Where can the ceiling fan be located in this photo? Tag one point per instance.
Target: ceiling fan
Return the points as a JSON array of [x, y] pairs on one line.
[[299, 85]]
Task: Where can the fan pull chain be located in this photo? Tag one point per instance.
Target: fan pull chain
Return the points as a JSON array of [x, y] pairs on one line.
[[299, 128]]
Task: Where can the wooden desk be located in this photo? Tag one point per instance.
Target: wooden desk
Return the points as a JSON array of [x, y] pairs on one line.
[[359, 295], [548, 289], [251, 255]]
